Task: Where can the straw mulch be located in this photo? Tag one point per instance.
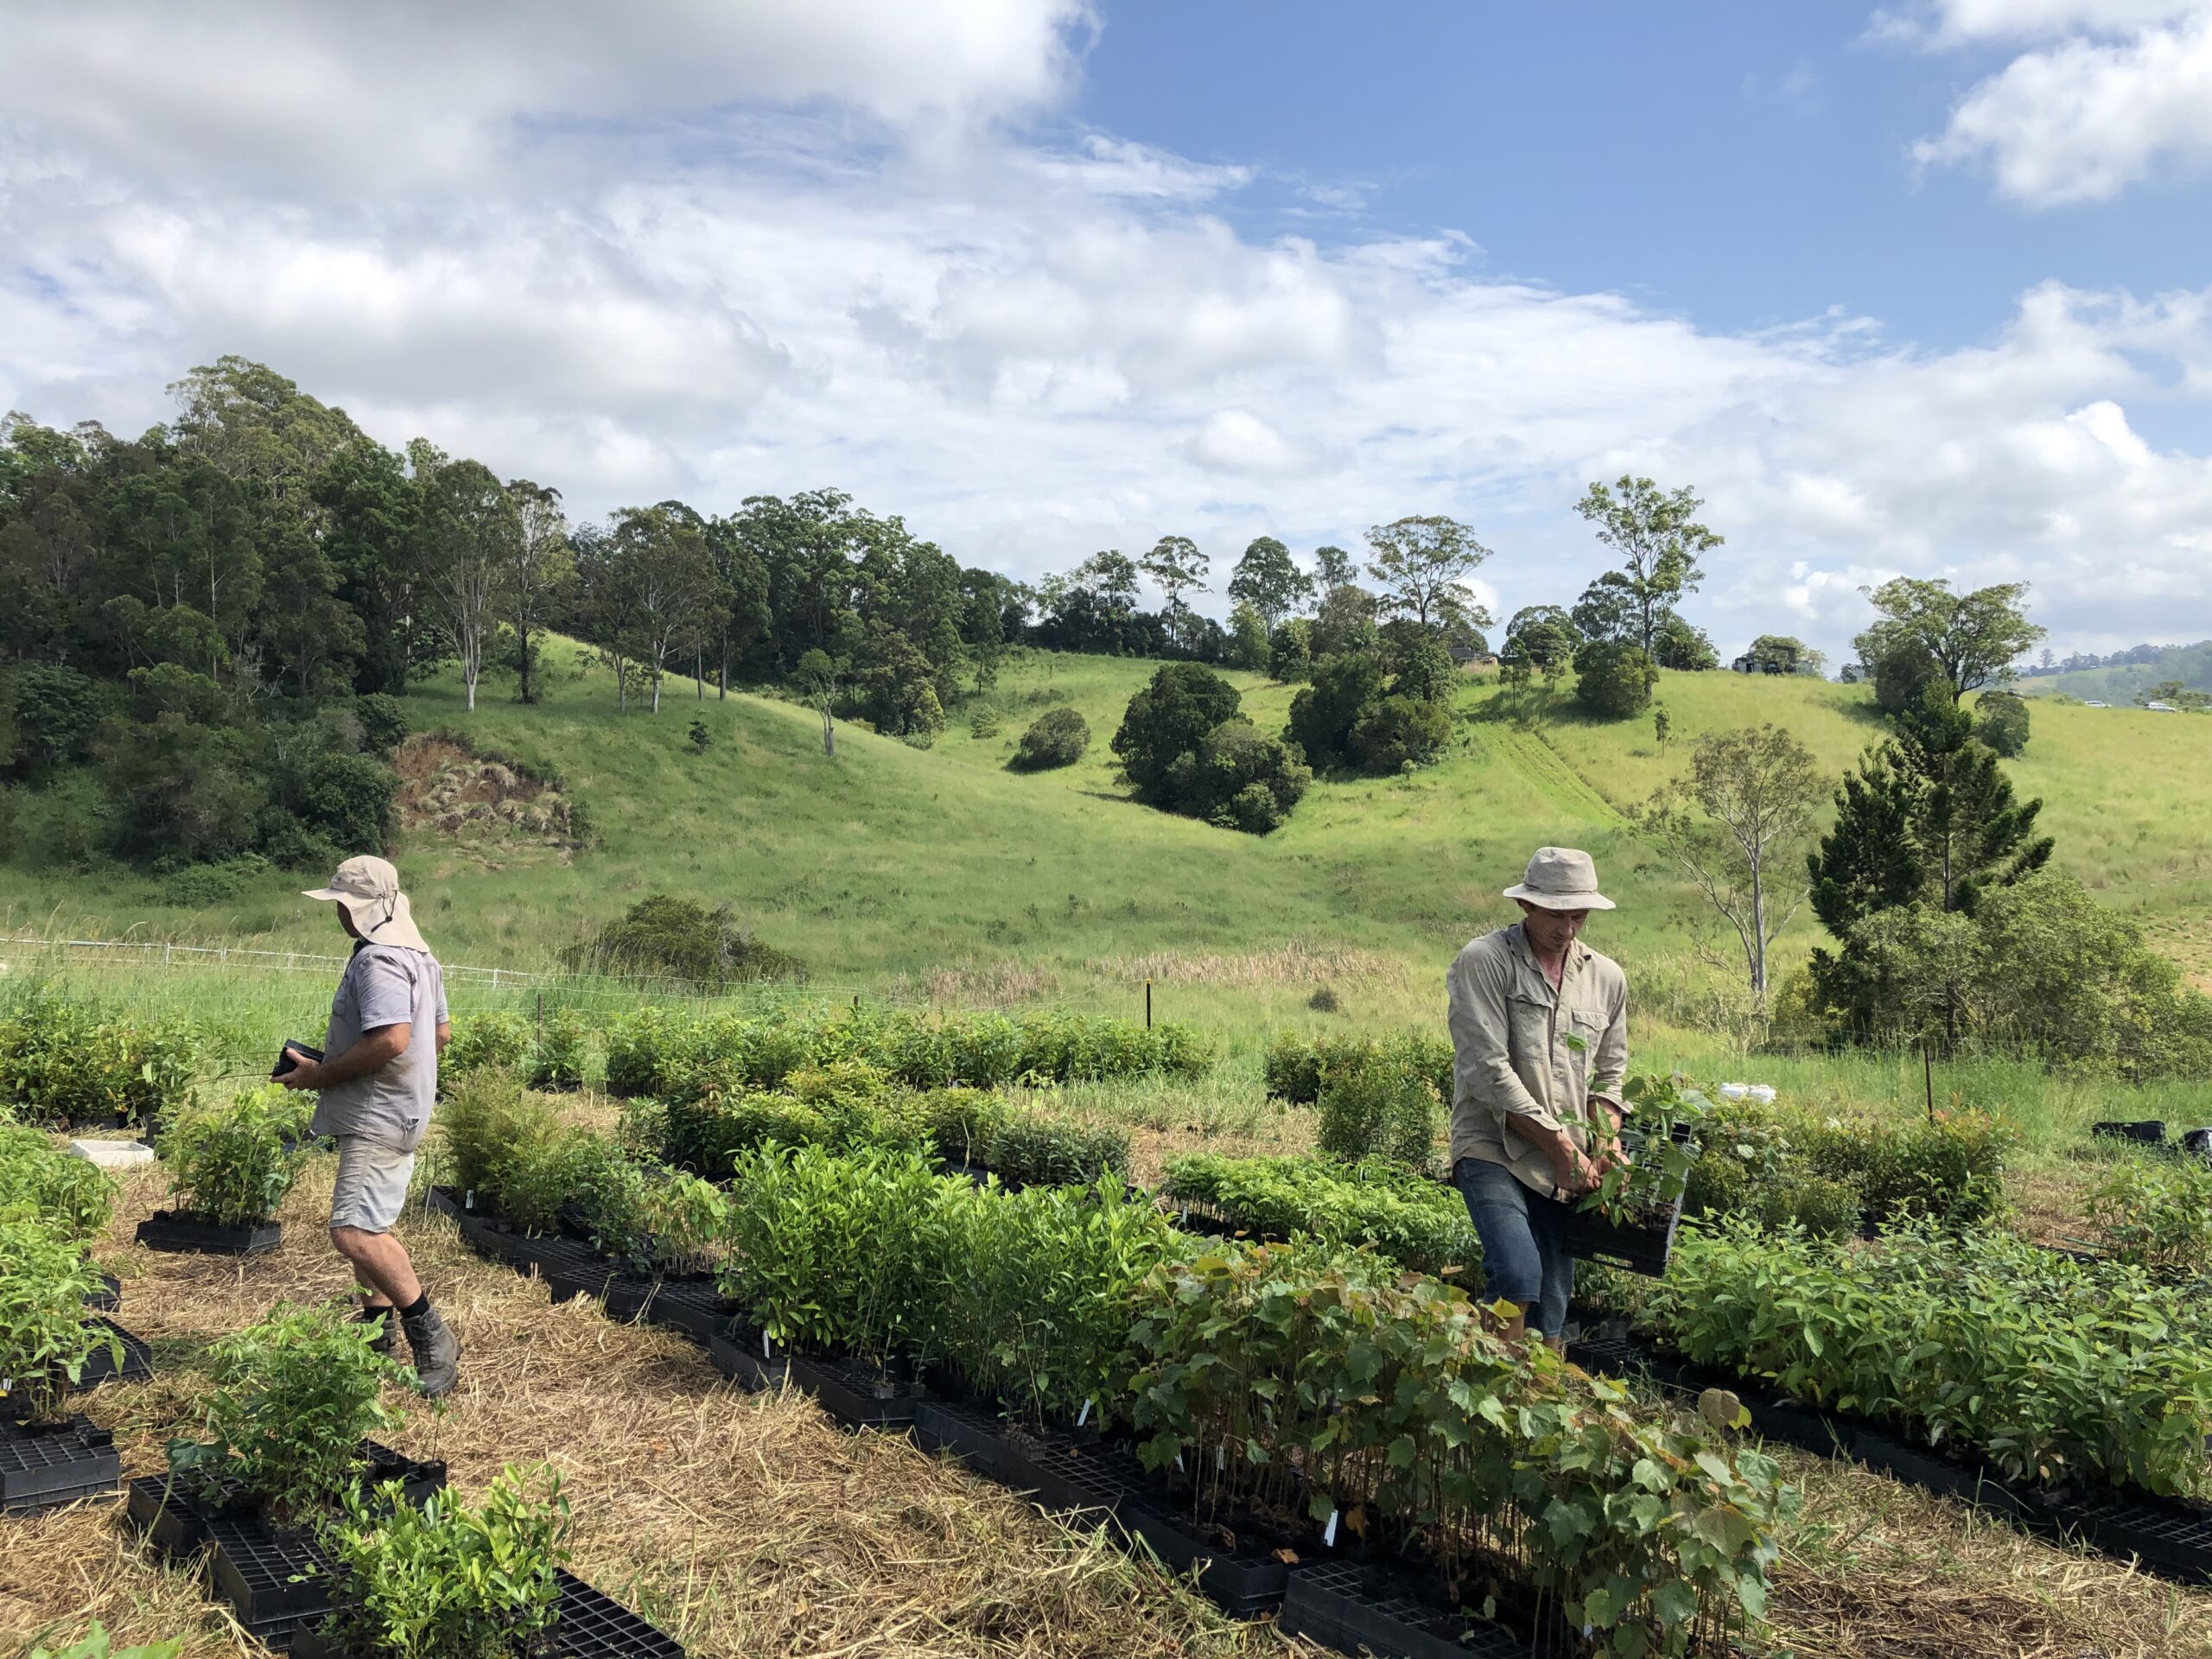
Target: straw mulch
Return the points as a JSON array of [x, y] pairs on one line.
[[751, 1525], [742, 1525]]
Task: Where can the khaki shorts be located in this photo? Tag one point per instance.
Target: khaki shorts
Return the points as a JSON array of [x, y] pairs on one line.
[[373, 1177]]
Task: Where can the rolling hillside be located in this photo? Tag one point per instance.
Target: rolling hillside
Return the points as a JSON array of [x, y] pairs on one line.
[[2191, 664], [894, 867]]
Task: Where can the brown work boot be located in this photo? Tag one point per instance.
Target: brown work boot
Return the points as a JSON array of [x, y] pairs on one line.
[[437, 1352]]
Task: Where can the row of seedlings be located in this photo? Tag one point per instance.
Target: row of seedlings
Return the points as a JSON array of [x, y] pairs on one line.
[[69, 1063], [997, 1325], [53, 1342], [2074, 1396], [324, 1539]]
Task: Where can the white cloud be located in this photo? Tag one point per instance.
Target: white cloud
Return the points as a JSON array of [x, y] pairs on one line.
[[2111, 94], [1033, 349]]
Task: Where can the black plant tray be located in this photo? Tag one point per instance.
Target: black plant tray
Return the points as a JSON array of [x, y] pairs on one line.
[[275, 1581], [587, 1275], [854, 1394], [2170, 1536], [2148, 1132], [690, 1306], [108, 1297], [1354, 1609], [179, 1230], [590, 1627], [138, 1361], [1070, 1476], [176, 1523], [442, 1201], [976, 1437], [43, 1467]]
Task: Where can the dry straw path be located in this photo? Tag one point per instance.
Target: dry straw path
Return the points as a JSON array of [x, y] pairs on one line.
[[749, 1525]]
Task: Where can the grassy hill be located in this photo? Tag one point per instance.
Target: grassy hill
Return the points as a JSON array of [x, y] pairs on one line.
[[2191, 664], [893, 868]]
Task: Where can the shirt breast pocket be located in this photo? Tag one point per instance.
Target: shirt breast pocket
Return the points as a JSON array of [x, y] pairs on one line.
[[1529, 1022]]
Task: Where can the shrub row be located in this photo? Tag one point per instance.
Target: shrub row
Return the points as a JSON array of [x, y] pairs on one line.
[[66, 1061], [1416, 1222], [1298, 1068], [1304, 1377], [1834, 1176], [2051, 1369]]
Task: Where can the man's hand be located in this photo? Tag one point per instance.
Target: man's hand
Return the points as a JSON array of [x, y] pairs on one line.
[[1572, 1173], [305, 1073]]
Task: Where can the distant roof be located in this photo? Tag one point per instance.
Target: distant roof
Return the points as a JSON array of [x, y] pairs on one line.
[[2157, 707]]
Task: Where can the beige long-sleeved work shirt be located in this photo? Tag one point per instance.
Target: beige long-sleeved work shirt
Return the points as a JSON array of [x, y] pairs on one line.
[[1524, 1054]]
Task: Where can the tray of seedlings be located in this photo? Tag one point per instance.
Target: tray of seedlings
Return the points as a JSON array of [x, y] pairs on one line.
[[1632, 1220], [486, 1579], [286, 1449], [230, 1169]]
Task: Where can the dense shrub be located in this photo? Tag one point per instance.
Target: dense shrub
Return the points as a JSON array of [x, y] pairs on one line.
[[1167, 720], [662, 937], [484, 1040], [1832, 1177], [231, 1165], [1056, 738], [557, 1054], [1323, 714], [1040, 1151], [1612, 679], [2156, 1216], [383, 719], [1399, 732], [1296, 1066], [1416, 1222], [511, 1157], [294, 1397], [67, 1060], [1239, 778], [2000, 720], [1376, 1107]]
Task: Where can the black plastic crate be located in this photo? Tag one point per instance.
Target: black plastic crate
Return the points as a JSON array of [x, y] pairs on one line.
[[167, 1229], [43, 1467], [1638, 1247], [590, 1627], [1351, 1609], [739, 1354], [2170, 1536], [567, 1278], [138, 1361], [176, 1520], [108, 1297], [855, 1394], [2147, 1132], [275, 1581]]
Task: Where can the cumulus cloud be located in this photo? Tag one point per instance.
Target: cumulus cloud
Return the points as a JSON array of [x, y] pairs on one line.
[[2104, 97], [1034, 345]]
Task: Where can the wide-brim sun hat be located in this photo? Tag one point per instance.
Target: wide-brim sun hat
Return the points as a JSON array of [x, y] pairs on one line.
[[1561, 878], [369, 888]]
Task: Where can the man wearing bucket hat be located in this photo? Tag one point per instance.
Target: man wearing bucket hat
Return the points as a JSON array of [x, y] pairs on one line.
[[378, 1078], [1540, 1043]]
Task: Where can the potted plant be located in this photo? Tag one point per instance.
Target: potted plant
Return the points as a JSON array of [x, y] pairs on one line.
[[1629, 1221], [230, 1167], [283, 1442], [47, 1346]]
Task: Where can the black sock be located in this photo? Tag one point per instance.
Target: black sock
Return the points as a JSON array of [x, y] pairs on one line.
[[418, 1308], [374, 1310]]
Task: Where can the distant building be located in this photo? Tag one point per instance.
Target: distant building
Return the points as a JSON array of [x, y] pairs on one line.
[[2093, 703], [2158, 707]]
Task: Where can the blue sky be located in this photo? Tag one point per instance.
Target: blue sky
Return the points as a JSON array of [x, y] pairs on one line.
[[1924, 290]]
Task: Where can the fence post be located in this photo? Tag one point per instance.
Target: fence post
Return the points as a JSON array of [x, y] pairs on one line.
[[541, 1019], [1147, 1005]]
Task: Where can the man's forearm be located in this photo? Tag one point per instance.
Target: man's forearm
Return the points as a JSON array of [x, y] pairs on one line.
[[369, 1053]]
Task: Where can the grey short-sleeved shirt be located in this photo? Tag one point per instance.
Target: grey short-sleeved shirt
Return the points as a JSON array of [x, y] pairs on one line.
[[384, 985]]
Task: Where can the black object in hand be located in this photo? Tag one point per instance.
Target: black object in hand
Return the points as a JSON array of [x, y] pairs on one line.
[[285, 1061]]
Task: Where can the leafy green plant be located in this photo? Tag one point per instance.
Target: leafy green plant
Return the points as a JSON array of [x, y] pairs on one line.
[[511, 1157], [46, 1341], [445, 1580], [1418, 1222], [66, 1059], [1302, 1378], [1951, 1169], [1373, 1106], [96, 1643], [556, 1057], [73, 1197], [1040, 1152], [2156, 1216], [1665, 1114], [229, 1165], [958, 1121], [293, 1396], [683, 1223], [834, 1251], [486, 1039]]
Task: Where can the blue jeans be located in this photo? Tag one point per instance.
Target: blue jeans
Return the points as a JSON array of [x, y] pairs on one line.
[[1524, 1242]]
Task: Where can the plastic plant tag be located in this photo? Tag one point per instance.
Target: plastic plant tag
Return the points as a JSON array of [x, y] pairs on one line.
[[1220, 1456], [1179, 1463], [1329, 1535], [468, 1200], [1083, 1416], [763, 1346]]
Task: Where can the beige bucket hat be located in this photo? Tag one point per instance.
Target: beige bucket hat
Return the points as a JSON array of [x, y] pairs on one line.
[[1561, 878], [369, 888]]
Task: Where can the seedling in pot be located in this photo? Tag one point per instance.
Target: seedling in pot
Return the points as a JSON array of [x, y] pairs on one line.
[[46, 1341], [231, 1168]]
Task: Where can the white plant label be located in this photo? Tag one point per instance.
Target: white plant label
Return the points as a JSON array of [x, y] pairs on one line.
[[764, 1345], [469, 1202], [1329, 1537], [1085, 1416]]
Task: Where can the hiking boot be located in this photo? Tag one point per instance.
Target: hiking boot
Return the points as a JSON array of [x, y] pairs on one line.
[[379, 1321], [437, 1354]]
